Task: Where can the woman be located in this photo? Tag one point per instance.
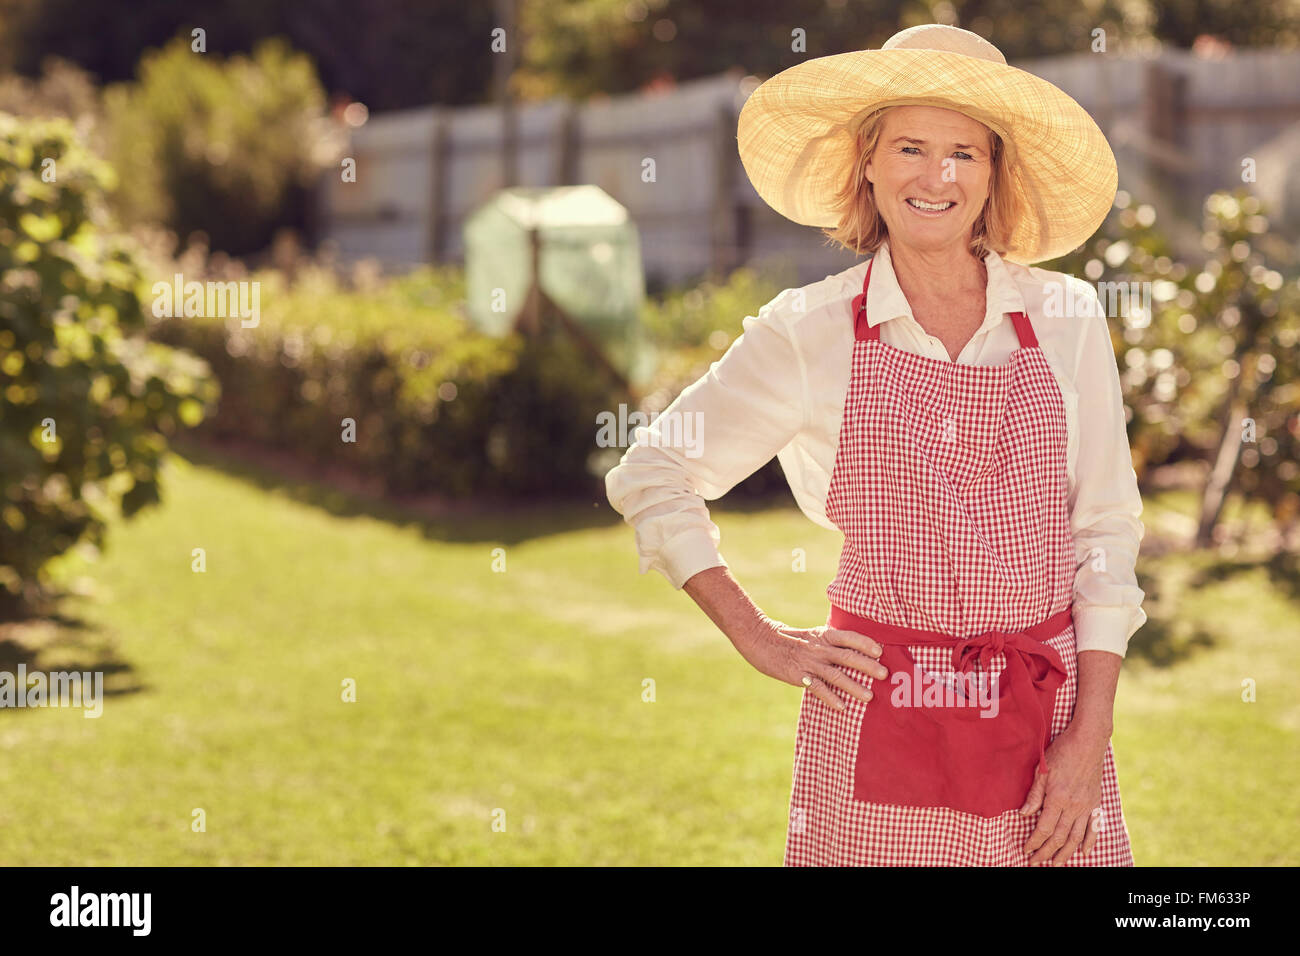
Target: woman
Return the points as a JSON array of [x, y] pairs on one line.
[[958, 702]]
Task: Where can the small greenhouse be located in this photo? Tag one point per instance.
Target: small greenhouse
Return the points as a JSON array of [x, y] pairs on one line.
[[589, 265]]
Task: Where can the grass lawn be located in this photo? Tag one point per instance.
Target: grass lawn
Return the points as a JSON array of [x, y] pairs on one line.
[[480, 693]]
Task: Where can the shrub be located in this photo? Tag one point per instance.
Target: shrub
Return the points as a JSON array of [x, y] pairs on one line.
[[229, 148], [88, 403], [693, 327], [437, 406]]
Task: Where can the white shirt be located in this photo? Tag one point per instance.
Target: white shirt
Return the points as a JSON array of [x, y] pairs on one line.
[[780, 390]]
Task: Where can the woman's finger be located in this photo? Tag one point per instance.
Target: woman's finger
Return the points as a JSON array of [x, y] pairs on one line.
[[1057, 840], [846, 657], [837, 678], [1096, 823], [854, 640], [823, 692], [1036, 793], [1046, 827], [819, 689], [1072, 841]]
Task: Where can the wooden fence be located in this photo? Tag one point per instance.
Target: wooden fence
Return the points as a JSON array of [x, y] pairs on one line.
[[1181, 126]]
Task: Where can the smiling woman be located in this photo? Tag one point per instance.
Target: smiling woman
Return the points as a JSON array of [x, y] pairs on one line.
[[949, 159], [933, 179], [924, 403]]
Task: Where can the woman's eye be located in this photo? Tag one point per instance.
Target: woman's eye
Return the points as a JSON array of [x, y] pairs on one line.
[[964, 155], [906, 148]]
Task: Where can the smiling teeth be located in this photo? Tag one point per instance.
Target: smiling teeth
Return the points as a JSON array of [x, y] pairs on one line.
[[934, 207]]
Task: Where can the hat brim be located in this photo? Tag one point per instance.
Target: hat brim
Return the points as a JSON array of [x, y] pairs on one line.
[[796, 146]]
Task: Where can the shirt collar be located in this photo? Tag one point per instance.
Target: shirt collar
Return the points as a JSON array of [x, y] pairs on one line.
[[885, 300]]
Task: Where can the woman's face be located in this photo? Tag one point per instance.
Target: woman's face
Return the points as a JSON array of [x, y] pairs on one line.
[[934, 156]]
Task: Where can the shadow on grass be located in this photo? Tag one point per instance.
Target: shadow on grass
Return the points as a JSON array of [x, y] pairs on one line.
[[1283, 570], [479, 519], [1166, 638], [1170, 637], [47, 642]]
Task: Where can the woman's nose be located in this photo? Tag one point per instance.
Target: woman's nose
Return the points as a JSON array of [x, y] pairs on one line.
[[938, 172]]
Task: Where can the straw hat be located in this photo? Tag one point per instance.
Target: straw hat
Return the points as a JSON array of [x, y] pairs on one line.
[[796, 147]]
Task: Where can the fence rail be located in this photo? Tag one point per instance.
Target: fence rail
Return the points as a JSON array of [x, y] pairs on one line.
[[1181, 126]]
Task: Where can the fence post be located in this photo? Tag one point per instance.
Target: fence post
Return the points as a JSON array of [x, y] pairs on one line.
[[1164, 114], [567, 146], [722, 258], [438, 185]]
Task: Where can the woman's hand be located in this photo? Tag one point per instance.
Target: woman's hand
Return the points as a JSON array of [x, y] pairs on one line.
[[1069, 796], [791, 653]]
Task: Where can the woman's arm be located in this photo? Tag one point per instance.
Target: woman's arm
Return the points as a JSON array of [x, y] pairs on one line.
[[1105, 520], [1105, 509], [750, 403], [743, 411], [1095, 706], [787, 653], [1105, 505], [728, 606]]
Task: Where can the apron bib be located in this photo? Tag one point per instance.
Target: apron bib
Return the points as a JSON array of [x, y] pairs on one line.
[[950, 485]]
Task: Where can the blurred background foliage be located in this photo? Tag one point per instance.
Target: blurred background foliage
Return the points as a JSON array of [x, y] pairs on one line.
[[381, 52], [88, 403], [437, 406], [188, 138], [586, 48], [190, 142], [214, 157], [1214, 347]]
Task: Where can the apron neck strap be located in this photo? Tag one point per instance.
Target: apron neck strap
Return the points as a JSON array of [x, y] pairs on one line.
[[1024, 331], [862, 331]]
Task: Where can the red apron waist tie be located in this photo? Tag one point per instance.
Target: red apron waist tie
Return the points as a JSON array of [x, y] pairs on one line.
[[1035, 666]]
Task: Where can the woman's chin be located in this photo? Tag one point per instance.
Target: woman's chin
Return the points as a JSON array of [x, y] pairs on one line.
[[927, 235]]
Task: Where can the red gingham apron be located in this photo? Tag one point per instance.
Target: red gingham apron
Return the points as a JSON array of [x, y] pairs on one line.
[[950, 486]]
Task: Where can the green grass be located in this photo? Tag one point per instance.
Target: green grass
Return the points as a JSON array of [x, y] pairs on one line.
[[521, 691]]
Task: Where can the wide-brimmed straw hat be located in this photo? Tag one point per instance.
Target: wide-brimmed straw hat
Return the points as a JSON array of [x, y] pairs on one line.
[[796, 145]]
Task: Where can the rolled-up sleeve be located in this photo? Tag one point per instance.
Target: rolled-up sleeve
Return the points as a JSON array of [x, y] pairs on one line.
[[721, 429], [1105, 504]]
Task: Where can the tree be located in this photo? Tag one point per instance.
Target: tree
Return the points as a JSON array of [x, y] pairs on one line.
[[1209, 363], [227, 147], [388, 54]]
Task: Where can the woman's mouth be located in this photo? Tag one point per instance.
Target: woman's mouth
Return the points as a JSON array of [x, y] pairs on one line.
[[931, 210]]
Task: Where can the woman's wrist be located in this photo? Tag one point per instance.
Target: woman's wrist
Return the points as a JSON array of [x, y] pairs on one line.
[[752, 631], [1092, 725], [1094, 709], [727, 604]]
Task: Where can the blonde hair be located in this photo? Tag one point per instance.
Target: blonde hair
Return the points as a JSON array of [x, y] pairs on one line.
[[862, 229]]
